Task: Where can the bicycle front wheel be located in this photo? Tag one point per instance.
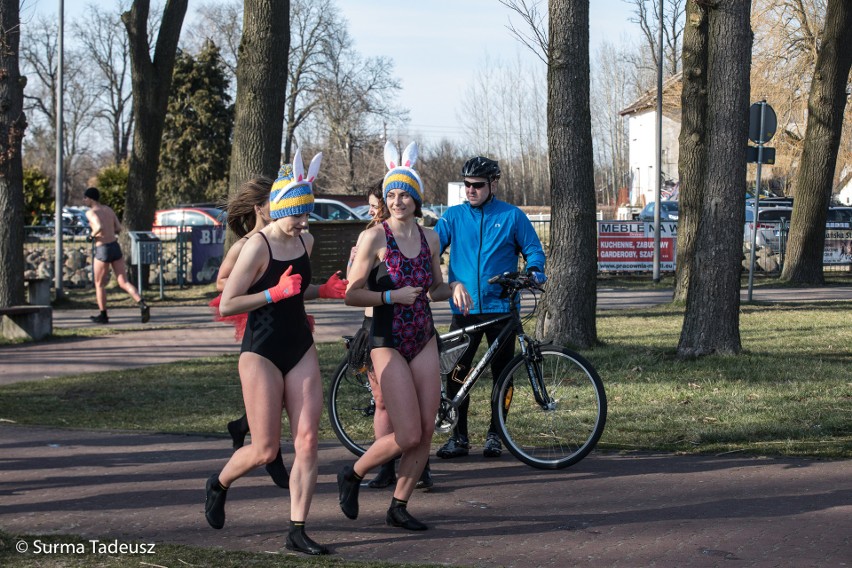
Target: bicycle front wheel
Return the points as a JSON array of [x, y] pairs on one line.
[[351, 408], [551, 410]]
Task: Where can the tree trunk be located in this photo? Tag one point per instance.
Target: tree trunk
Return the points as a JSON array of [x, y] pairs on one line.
[[813, 185], [692, 165], [13, 123], [261, 93], [711, 321], [151, 81], [568, 310]]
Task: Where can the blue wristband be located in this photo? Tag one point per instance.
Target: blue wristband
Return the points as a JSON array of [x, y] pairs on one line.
[[268, 296], [386, 298]]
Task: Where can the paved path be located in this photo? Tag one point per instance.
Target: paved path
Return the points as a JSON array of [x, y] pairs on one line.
[[608, 510]]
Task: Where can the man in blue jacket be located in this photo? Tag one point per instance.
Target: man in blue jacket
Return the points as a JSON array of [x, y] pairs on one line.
[[485, 236]]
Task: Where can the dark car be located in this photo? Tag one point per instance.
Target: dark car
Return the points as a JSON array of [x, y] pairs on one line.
[[668, 212]]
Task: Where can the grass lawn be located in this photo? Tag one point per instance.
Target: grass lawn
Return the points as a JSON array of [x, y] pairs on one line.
[[163, 555]]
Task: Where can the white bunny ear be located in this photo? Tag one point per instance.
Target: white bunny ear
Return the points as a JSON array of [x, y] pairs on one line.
[[409, 156], [391, 155], [313, 169], [298, 166]]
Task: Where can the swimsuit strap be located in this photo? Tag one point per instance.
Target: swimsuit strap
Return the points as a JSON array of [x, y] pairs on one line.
[[268, 247]]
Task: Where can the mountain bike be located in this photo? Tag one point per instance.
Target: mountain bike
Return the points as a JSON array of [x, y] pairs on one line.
[[550, 402]]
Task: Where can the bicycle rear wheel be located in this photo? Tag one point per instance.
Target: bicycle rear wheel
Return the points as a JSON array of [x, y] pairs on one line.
[[560, 426], [351, 408]]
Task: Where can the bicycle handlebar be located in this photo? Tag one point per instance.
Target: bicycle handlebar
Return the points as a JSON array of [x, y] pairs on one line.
[[514, 281]]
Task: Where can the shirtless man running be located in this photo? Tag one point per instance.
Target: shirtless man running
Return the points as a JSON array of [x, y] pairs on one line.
[[105, 226]]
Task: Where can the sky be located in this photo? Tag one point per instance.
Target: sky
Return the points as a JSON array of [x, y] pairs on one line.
[[436, 45], [446, 42]]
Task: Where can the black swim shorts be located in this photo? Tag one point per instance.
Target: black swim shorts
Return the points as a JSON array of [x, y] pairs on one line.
[[109, 252]]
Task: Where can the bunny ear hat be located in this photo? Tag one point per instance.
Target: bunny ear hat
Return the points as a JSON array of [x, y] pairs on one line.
[[401, 173], [292, 192]]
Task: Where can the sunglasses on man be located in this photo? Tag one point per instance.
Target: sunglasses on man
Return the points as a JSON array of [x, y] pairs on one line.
[[475, 184]]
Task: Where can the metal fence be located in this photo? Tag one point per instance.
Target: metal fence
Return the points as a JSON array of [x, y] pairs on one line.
[[78, 253], [334, 240]]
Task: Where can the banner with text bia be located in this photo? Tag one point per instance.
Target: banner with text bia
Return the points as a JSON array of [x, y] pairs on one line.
[[628, 246]]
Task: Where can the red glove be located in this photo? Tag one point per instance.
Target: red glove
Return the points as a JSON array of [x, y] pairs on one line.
[[334, 287], [287, 286]]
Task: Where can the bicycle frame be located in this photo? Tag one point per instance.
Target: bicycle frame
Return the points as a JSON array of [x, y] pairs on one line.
[[524, 341]]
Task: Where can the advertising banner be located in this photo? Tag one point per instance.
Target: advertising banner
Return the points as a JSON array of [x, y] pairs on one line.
[[838, 244], [208, 248], [628, 246]]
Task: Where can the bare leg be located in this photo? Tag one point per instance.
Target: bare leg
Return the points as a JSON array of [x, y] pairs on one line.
[[425, 381], [303, 401], [381, 426], [263, 394], [411, 396], [101, 281], [121, 276]]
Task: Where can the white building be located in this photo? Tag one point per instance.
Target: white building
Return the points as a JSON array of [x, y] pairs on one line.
[[844, 196], [642, 131]]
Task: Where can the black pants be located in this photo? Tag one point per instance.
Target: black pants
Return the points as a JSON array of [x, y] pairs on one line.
[[459, 374]]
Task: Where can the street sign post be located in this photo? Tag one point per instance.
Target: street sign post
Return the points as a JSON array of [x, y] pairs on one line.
[[762, 123]]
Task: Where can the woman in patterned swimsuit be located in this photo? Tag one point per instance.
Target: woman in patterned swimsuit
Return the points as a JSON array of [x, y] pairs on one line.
[[396, 270]]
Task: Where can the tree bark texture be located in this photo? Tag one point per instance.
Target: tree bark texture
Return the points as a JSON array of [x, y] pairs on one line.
[[826, 104], [151, 80], [13, 123], [711, 321], [261, 94], [261, 91], [692, 164], [568, 310]]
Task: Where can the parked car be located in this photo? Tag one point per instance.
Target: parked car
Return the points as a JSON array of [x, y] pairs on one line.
[[167, 222], [74, 223], [771, 223], [363, 211], [333, 210], [668, 212]]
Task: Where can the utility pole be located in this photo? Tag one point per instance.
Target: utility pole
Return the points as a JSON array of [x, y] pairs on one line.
[[659, 152], [60, 174]]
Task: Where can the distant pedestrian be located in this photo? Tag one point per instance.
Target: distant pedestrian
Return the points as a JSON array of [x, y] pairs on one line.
[[105, 227]]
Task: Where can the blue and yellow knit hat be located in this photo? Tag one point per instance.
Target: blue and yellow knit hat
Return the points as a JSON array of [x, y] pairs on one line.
[[292, 191], [401, 174]]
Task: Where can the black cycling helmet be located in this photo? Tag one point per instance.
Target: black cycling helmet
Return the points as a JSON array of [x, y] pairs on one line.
[[481, 167]]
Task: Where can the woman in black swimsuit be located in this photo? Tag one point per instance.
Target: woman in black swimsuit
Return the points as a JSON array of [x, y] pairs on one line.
[[397, 271], [279, 369]]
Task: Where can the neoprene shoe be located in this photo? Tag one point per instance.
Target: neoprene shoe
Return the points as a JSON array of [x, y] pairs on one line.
[[348, 486], [456, 447], [214, 507], [385, 477], [493, 446], [300, 542], [100, 318], [278, 472], [238, 429], [425, 482], [400, 517]]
